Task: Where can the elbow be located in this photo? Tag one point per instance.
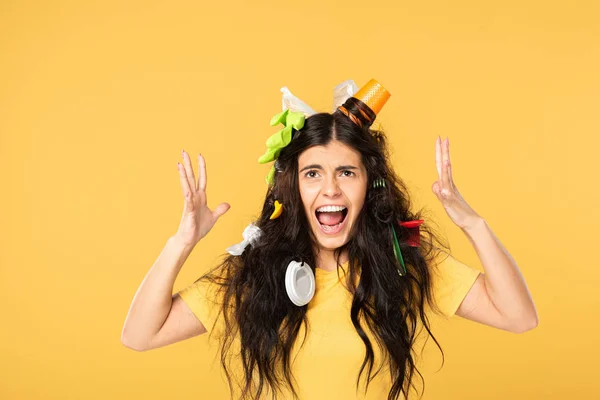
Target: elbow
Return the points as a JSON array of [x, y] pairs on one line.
[[526, 325], [131, 344], [132, 347]]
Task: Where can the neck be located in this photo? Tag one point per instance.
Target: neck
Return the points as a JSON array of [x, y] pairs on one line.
[[326, 259]]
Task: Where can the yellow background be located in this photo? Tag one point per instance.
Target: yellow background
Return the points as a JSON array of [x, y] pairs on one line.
[[97, 99]]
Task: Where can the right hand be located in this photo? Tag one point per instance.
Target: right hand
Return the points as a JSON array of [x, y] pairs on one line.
[[197, 219]]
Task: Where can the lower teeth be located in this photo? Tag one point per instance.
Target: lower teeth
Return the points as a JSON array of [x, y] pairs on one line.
[[328, 228]]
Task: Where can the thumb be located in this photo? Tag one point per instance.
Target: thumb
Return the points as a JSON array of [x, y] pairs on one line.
[[221, 209], [436, 188]]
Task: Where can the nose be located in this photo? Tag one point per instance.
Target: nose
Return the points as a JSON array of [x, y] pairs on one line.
[[331, 187]]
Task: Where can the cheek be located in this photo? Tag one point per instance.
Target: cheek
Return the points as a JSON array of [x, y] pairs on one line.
[[308, 195], [356, 194], [309, 192]]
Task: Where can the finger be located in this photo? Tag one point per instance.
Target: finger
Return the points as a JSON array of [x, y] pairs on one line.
[[450, 178], [445, 164], [189, 171], [438, 156], [201, 173], [185, 185], [220, 210], [442, 194]]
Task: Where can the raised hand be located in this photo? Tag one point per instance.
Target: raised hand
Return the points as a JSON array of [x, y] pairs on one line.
[[444, 188], [197, 219]]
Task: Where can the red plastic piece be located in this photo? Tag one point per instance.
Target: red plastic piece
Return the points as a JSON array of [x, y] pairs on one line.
[[414, 238]]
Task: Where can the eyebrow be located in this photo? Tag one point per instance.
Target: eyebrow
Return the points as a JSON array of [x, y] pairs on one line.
[[317, 166]]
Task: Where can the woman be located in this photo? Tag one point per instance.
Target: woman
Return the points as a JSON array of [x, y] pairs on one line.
[[336, 215]]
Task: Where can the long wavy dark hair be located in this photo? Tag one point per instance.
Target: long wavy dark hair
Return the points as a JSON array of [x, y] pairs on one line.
[[259, 312]]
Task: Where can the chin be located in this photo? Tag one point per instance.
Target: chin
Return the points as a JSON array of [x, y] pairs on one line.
[[331, 244]]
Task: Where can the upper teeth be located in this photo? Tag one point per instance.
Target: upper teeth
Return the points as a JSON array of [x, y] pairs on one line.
[[330, 208]]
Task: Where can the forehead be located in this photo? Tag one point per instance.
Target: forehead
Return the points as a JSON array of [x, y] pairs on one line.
[[334, 153]]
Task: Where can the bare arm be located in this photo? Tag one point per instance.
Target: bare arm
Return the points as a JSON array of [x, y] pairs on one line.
[[500, 297], [156, 316], [154, 306]]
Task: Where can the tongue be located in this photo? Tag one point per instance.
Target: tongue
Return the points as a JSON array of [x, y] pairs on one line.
[[330, 218]]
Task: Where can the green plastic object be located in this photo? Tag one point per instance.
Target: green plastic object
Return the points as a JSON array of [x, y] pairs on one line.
[[379, 183], [276, 142], [398, 253]]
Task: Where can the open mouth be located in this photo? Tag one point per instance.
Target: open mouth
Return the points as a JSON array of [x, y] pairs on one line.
[[331, 218]]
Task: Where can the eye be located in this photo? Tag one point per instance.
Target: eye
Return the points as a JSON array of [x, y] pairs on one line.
[[311, 174], [347, 172]]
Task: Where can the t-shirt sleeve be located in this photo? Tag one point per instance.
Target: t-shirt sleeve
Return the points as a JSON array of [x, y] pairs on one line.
[[203, 300], [452, 280]]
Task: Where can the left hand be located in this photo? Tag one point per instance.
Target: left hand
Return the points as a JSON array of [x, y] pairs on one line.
[[444, 188]]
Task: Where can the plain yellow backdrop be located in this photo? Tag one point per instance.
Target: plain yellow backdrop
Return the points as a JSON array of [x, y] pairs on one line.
[[97, 99]]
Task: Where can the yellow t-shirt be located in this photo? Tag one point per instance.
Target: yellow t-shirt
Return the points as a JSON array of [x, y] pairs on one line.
[[327, 365]]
